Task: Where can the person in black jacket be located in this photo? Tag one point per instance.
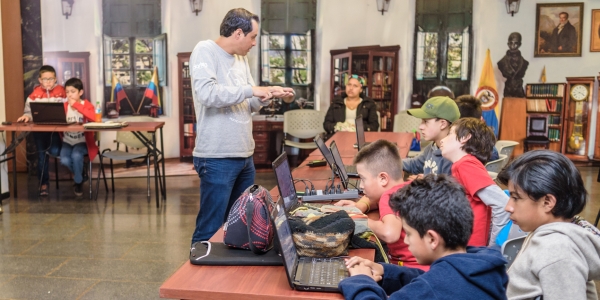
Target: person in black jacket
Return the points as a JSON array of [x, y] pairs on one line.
[[344, 110]]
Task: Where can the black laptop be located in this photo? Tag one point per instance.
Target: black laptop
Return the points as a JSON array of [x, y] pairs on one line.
[[48, 113], [360, 133], [305, 273], [341, 169], [350, 169]]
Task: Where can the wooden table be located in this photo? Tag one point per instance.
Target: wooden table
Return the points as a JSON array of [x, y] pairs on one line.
[[134, 127]]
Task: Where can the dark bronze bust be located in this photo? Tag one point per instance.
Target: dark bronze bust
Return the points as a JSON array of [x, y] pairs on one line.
[[513, 67]]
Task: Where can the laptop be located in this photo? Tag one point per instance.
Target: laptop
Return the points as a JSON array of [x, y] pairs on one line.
[[48, 113], [305, 273], [360, 133], [341, 169], [350, 169]]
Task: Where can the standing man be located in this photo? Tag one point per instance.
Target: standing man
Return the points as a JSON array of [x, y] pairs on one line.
[[564, 36], [224, 98]]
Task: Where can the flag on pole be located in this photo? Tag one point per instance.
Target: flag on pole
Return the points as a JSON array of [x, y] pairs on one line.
[[488, 95], [152, 89], [118, 93], [543, 77]]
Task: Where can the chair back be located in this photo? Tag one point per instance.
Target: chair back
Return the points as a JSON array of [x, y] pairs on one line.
[[506, 147], [303, 123], [128, 138], [403, 122], [511, 249], [496, 165]]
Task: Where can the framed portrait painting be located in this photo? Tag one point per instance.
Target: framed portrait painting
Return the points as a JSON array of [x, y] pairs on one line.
[[558, 28], [595, 40]]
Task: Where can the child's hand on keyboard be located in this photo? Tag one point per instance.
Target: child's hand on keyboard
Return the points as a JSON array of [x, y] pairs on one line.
[[357, 266]]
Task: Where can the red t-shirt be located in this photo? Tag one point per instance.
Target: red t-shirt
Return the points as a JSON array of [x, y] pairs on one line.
[[398, 251], [473, 176]]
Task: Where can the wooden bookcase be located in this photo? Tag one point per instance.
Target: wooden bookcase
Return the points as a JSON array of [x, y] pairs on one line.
[[379, 65], [548, 99], [187, 114]]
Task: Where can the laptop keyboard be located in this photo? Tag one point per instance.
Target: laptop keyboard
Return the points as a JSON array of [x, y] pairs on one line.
[[327, 271], [51, 123]]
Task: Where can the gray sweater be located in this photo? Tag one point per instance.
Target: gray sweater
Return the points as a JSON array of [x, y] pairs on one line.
[[222, 91], [559, 261]]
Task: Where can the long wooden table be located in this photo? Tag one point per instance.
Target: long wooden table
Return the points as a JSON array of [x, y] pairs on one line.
[[267, 282], [137, 128]]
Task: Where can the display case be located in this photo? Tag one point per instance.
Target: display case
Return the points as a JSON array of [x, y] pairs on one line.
[[187, 114], [379, 65], [577, 117], [71, 64], [547, 99]]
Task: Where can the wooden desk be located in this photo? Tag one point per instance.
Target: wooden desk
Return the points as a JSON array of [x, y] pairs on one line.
[[134, 127], [345, 142]]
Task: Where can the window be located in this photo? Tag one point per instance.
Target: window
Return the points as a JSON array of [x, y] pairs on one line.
[[286, 59]]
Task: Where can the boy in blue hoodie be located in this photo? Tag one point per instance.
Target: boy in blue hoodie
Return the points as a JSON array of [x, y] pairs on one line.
[[438, 222]]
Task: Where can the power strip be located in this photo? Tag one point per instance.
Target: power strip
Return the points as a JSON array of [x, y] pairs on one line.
[[351, 194]]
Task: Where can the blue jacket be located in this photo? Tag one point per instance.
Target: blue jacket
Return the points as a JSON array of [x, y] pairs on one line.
[[478, 274], [429, 161]]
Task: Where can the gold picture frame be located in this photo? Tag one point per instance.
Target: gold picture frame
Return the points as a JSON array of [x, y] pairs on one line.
[[558, 28], [595, 31]]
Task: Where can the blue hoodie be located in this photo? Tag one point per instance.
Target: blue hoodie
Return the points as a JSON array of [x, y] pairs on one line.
[[478, 274]]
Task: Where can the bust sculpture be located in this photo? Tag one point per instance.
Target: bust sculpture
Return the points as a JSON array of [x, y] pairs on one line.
[[513, 67]]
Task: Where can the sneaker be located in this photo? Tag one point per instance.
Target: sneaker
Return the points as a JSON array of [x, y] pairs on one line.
[[78, 190], [44, 190]]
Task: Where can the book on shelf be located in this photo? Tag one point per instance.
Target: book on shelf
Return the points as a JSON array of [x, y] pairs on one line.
[[545, 90], [544, 105]]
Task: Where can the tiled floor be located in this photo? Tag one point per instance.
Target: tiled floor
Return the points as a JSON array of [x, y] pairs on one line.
[[118, 247]]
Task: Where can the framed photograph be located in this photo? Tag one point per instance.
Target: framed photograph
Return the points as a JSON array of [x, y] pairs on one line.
[[595, 39], [558, 28]]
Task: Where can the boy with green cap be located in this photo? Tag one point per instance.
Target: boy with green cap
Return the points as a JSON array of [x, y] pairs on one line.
[[437, 115]]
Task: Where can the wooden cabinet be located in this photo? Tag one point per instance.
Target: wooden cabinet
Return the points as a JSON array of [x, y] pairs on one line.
[[547, 99], [187, 114], [71, 64], [379, 65], [265, 133], [577, 117]]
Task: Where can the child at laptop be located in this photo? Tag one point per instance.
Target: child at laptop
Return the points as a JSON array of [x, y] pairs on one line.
[[380, 169], [438, 220], [470, 107], [76, 144], [436, 114], [468, 145], [47, 91], [558, 259]]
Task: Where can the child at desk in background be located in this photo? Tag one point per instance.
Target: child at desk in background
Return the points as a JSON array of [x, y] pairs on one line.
[[47, 91], [76, 144], [380, 169], [438, 222], [559, 258], [468, 146]]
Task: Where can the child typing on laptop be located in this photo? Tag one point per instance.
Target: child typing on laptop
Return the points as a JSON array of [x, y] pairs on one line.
[[76, 144]]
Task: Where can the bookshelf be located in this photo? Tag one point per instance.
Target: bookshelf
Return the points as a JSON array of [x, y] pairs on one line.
[[548, 99], [187, 114]]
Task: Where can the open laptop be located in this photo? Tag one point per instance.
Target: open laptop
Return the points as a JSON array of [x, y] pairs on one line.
[[305, 273], [360, 133], [341, 169], [350, 169], [48, 113]]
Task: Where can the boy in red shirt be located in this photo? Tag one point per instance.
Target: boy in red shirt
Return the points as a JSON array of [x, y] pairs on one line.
[[380, 169], [468, 146]]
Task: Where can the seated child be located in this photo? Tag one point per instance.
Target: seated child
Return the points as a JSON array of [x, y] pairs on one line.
[[468, 146], [438, 221], [380, 168], [437, 115], [558, 259], [470, 107], [76, 144]]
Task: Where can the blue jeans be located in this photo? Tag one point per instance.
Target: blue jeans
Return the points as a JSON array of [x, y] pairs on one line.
[[46, 142], [72, 157], [222, 181]]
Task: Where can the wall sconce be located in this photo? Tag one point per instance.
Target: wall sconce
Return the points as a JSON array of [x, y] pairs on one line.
[[512, 7], [67, 7], [196, 6], [383, 5]]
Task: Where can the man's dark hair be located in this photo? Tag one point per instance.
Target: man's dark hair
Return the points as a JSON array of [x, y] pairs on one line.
[[482, 139], [75, 82], [46, 68], [438, 203], [440, 90], [542, 172], [469, 107], [564, 13], [381, 156], [237, 18]]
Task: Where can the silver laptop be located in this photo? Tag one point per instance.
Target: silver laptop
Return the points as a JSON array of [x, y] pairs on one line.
[[350, 169], [48, 113], [305, 273]]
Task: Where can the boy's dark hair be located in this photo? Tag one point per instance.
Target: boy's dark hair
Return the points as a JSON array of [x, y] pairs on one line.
[[381, 156], [75, 82], [46, 68], [469, 107], [237, 18], [542, 172], [482, 139], [438, 203], [440, 90]]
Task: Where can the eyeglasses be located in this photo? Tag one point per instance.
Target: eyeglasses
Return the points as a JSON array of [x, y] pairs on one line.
[[47, 79]]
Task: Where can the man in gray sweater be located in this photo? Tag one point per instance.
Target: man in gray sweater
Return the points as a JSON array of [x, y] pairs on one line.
[[224, 98]]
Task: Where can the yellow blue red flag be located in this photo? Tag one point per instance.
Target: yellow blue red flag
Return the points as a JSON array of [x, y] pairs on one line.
[[152, 89], [488, 95], [118, 93]]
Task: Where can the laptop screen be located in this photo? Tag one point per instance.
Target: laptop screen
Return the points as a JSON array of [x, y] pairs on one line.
[[285, 181], [324, 150], [284, 234], [339, 164], [360, 132], [48, 112]]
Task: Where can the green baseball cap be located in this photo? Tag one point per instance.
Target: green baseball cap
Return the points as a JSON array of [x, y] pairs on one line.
[[437, 107]]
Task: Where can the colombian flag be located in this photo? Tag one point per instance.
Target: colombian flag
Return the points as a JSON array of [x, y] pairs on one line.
[[152, 89], [117, 93], [487, 85]]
